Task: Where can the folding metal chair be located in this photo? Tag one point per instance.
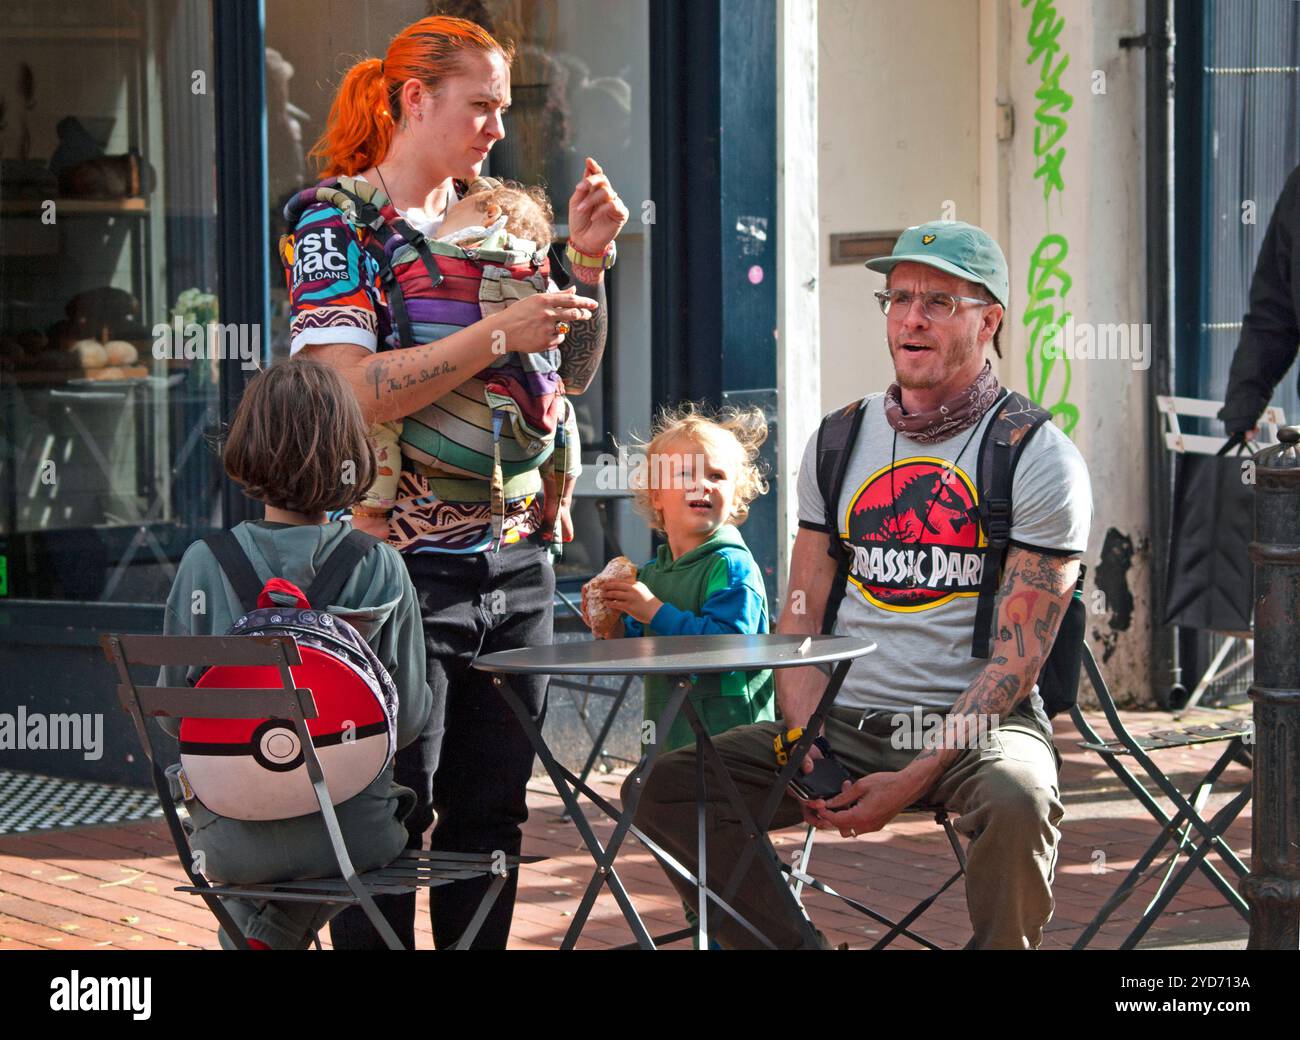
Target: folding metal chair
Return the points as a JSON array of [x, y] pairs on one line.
[[410, 870], [799, 877], [1187, 818]]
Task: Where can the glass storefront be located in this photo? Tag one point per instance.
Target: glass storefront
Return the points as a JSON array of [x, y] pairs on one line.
[[579, 86], [107, 297]]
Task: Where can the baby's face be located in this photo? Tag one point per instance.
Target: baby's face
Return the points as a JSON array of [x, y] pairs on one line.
[[466, 213]]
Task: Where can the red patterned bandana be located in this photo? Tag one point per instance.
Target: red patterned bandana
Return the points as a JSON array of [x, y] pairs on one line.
[[959, 413]]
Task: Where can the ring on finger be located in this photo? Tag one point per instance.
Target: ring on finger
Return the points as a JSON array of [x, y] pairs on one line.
[[562, 328]]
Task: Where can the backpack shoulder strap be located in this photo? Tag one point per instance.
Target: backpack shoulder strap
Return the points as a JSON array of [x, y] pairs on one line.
[[1014, 421], [835, 439], [234, 561], [330, 579]]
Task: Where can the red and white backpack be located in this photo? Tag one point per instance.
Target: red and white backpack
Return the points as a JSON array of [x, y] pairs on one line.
[[254, 769]]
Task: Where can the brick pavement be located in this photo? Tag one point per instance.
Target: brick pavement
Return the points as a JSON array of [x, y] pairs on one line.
[[111, 886]]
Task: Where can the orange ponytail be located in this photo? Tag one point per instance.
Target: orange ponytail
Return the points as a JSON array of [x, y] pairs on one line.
[[368, 103]]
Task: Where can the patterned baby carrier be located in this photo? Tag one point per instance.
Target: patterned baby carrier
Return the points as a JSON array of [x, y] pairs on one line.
[[432, 290]]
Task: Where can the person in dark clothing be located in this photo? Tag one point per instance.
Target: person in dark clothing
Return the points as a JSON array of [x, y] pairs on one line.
[[1270, 331]]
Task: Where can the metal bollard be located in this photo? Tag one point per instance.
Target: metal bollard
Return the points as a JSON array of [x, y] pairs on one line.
[[1273, 886]]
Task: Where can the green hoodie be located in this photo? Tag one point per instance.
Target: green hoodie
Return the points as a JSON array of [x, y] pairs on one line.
[[715, 589]]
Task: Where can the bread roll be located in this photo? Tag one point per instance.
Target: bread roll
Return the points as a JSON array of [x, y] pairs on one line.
[[91, 352], [602, 619], [120, 352]]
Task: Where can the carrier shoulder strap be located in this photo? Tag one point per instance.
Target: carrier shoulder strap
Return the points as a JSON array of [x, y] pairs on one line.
[[835, 439], [234, 561], [369, 214], [331, 578], [1014, 421]]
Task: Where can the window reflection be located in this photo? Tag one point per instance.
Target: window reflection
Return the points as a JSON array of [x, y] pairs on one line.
[[107, 206]]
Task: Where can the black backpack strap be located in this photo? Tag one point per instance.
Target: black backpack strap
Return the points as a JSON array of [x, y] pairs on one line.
[[1014, 422], [368, 214], [234, 561], [420, 244], [835, 438], [330, 579]]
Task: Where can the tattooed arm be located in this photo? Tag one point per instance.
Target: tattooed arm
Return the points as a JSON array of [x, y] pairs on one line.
[[1030, 605], [583, 348], [397, 383], [1036, 588]]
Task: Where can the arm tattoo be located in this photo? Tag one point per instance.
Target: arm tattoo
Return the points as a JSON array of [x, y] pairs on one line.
[[1032, 598], [584, 346], [393, 373]]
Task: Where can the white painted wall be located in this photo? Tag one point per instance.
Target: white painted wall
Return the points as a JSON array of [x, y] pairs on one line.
[[797, 284], [1100, 214], [898, 109]]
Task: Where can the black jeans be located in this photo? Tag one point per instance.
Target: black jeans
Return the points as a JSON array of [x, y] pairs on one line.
[[473, 761]]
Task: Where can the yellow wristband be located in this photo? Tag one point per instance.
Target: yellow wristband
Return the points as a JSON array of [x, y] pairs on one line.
[[603, 262]]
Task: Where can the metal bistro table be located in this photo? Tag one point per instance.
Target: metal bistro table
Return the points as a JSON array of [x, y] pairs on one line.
[[681, 658]]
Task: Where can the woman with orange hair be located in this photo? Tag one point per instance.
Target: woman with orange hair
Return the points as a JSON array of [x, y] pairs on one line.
[[370, 295]]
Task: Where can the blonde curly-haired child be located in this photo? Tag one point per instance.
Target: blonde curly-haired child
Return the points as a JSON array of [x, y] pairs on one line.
[[702, 473]]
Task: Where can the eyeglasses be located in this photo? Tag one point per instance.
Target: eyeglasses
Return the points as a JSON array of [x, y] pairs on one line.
[[937, 306]]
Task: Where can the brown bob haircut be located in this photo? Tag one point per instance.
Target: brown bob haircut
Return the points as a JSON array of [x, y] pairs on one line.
[[298, 440]]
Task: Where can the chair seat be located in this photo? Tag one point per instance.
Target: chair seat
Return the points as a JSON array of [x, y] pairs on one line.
[[1160, 739], [411, 870]]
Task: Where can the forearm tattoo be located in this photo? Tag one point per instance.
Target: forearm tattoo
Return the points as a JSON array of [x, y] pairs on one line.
[[584, 346], [392, 371], [1030, 604]]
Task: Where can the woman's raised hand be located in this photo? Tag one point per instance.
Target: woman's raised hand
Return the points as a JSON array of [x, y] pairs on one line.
[[596, 213], [533, 324]]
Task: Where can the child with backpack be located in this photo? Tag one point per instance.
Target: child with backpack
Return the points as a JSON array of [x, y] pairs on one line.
[[702, 473], [298, 444]]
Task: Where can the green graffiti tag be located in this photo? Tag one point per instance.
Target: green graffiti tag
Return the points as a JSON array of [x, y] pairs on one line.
[[1053, 99], [1048, 282]]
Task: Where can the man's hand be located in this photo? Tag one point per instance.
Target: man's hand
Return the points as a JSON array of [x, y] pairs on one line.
[[865, 805], [632, 598]]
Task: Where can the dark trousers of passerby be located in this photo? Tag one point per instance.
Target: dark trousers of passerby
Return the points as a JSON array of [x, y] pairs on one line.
[[473, 761]]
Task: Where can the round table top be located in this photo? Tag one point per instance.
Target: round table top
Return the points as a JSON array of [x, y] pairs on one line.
[[675, 655]]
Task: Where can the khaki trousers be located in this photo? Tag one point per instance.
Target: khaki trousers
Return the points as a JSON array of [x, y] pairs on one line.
[[1004, 793]]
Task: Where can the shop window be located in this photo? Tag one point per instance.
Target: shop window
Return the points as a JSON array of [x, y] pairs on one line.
[[108, 377]]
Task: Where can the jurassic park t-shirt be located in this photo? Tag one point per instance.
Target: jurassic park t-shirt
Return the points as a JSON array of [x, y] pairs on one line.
[[916, 549]]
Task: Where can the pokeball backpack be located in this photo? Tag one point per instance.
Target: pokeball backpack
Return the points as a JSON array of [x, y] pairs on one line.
[[254, 769]]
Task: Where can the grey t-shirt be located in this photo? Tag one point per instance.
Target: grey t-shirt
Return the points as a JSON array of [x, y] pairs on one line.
[[916, 549]]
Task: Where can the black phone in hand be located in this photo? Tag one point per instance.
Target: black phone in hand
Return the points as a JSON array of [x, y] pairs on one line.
[[825, 781]]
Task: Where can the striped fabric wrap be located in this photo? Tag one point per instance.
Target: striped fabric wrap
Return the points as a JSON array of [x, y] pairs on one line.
[[490, 438]]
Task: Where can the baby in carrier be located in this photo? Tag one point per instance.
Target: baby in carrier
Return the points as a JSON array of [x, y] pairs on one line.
[[492, 216]]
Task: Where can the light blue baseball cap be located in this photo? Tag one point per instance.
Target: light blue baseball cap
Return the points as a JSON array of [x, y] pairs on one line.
[[953, 246]]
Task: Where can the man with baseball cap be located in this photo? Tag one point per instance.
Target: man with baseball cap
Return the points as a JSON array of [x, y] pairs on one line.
[[921, 720]]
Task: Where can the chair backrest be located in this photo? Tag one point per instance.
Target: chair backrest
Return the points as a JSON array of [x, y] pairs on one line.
[[1198, 444], [284, 702]]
